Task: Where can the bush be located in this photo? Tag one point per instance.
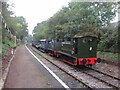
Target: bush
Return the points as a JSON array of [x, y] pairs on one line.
[[7, 44], [11, 44], [4, 50], [109, 39]]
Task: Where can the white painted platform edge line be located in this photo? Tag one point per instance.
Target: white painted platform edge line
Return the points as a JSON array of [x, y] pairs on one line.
[[56, 77]]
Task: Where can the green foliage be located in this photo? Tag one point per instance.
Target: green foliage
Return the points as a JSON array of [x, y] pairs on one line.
[[108, 55], [119, 38], [17, 26], [109, 39], [7, 44], [4, 49], [81, 19]]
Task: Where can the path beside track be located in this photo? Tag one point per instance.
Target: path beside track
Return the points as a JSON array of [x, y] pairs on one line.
[[26, 73]]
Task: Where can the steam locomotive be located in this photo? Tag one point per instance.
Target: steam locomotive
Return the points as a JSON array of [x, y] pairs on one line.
[[81, 50]]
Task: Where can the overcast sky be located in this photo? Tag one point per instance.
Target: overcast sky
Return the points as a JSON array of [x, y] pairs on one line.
[[36, 11]]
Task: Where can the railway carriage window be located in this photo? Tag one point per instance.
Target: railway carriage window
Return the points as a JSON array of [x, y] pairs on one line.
[[84, 40], [60, 40], [57, 40], [68, 39], [71, 42], [91, 40]]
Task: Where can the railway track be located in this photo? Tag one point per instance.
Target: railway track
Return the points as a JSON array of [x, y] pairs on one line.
[[104, 73], [107, 79], [62, 69], [107, 83]]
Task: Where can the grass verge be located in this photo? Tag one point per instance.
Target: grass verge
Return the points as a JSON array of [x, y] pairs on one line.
[[108, 55]]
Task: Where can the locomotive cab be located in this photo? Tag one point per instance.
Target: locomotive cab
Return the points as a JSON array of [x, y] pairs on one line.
[[85, 49]]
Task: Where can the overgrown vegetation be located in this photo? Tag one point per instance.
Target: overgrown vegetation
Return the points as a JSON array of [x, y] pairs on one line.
[[81, 19], [108, 55], [109, 39], [17, 26]]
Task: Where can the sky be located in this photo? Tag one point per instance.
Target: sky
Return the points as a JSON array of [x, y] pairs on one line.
[[36, 11]]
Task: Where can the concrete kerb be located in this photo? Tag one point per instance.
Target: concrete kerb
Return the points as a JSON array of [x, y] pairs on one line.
[[4, 76]]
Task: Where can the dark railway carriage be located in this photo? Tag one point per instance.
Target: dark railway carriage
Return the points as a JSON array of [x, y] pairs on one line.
[[80, 51], [44, 45], [34, 43]]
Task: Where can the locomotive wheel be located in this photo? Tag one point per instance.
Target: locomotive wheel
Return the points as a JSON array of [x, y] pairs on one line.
[[98, 60], [84, 61]]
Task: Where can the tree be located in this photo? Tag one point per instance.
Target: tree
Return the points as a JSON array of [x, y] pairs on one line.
[[79, 18], [16, 25]]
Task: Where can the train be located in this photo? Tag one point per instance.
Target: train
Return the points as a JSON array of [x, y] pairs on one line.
[[77, 51]]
